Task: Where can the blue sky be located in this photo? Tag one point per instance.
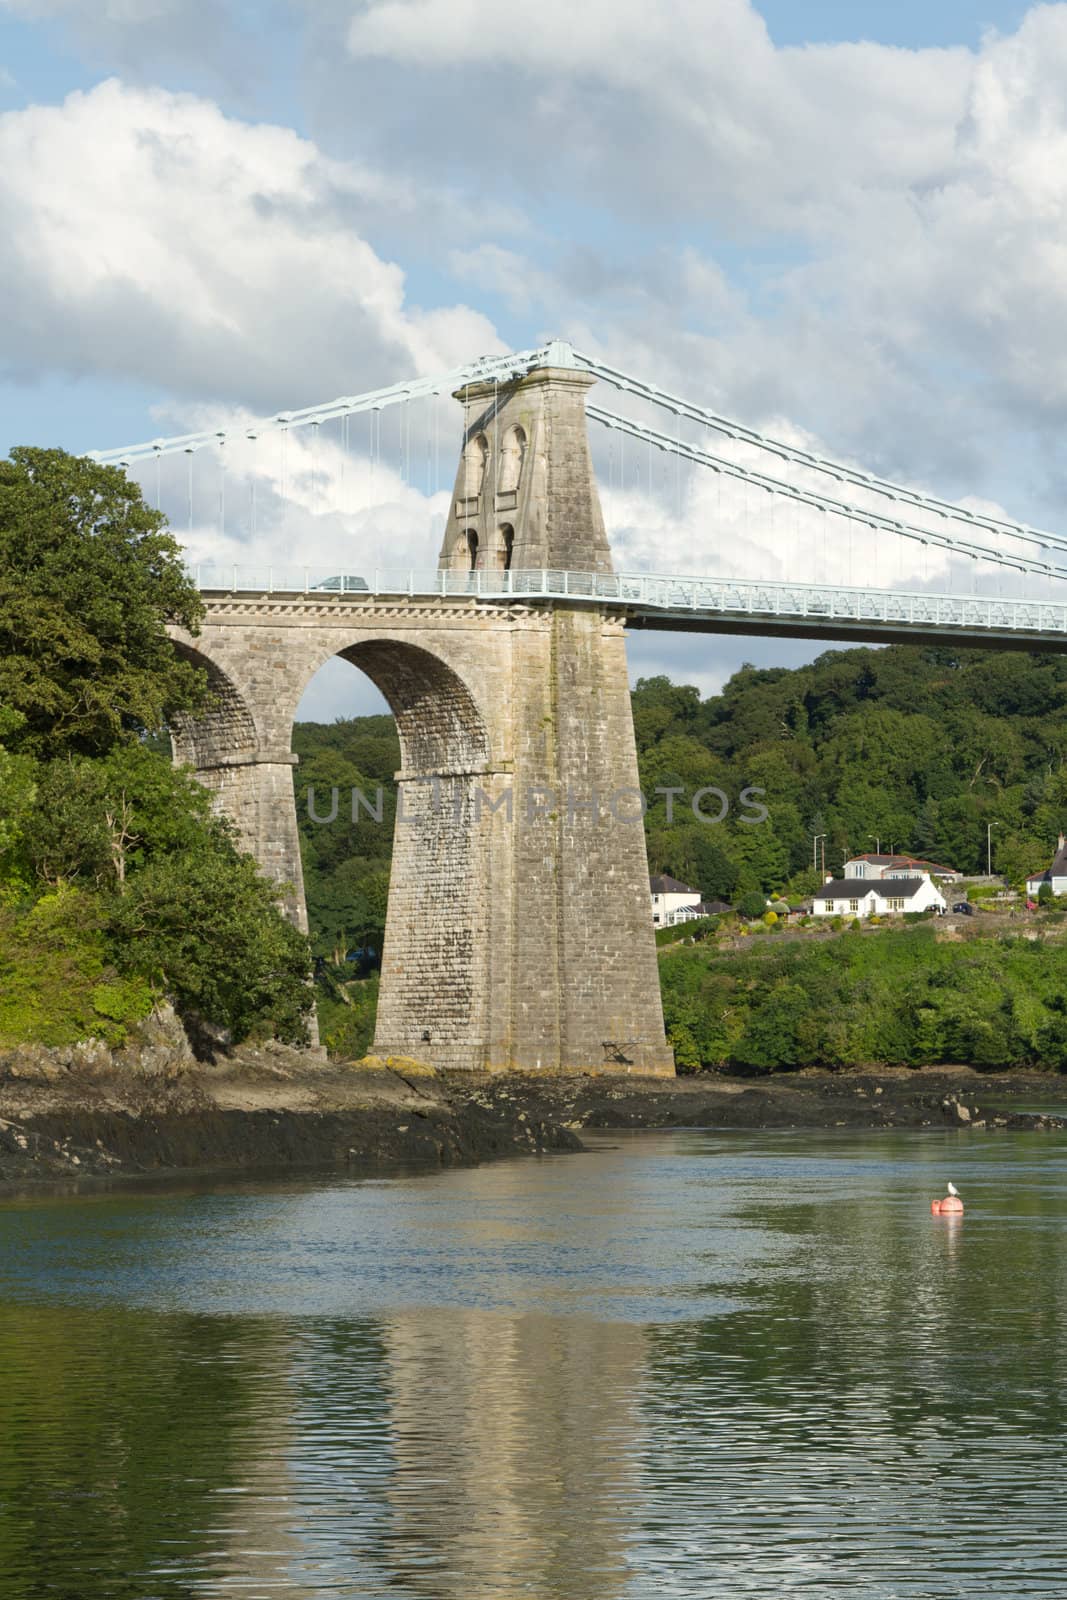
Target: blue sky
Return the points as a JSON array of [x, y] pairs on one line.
[[839, 221]]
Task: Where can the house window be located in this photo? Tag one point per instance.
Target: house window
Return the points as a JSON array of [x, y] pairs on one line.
[[853, 905], [894, 905], [828, 905]]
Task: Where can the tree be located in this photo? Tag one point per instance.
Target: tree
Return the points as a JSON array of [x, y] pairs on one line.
[[165, 896], [752, 905], [89, 580], [98, 820], [207, 930]]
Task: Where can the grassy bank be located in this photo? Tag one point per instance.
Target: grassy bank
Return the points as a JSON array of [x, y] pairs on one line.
[[899, 999]]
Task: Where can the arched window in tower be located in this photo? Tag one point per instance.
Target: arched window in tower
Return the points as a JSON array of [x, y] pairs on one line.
[[505, 544], [475, 458], [512, 456], [472, 547]]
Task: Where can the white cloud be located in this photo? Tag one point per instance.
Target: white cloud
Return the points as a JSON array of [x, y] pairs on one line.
[[680, 105], [146, 235], [909, 305], [905, 210]]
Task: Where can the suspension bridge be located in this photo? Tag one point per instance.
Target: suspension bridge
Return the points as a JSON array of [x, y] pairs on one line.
[[518, 932], [843, 520]]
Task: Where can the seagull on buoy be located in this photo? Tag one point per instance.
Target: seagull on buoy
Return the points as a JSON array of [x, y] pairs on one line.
[[951, 1205]]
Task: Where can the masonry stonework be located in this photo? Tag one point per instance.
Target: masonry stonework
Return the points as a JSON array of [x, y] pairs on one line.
[[519, 933]]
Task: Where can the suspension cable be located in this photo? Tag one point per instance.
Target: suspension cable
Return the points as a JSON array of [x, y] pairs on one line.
[[806, 458], [859, 514]]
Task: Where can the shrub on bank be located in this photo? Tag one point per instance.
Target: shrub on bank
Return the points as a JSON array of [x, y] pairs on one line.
[[903, 999], [346, 1027]]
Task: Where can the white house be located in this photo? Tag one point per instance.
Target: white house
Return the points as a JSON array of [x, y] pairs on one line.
[[897, 866], [1054, 875], [668, 897], [859, 897], [706, 908]]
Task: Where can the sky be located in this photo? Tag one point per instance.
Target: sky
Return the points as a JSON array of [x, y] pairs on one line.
[[843, 223]]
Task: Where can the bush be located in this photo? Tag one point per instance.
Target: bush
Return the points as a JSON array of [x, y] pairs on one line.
[[686, 1053], [752, 905], [903, 999], [347, 1030], [57, 985], [206, 929]]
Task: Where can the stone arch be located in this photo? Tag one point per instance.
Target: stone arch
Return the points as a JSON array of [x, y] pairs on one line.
[[225, 733], [512, 457], [438, 721], [250, 779], [433, 998], [463, 552], [505, 546], [475, 461]]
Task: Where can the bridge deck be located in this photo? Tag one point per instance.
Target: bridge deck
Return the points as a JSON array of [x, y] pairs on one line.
[[688, 604]]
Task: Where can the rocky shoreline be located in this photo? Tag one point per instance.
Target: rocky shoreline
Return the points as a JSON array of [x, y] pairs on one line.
[[88, 1114]]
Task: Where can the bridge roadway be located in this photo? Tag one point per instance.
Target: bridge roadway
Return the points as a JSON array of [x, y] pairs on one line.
[[684, 604]]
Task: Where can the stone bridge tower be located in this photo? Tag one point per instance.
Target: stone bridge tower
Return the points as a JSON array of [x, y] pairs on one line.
[[519, 934]]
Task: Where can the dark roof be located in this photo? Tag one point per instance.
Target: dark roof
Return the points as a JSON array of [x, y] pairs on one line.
[[712, 908], [859, 888], [847, 889], [904, 861], [1058, 869], [665, 885]]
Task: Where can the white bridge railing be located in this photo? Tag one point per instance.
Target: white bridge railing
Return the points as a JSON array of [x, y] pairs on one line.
[[653, 595]]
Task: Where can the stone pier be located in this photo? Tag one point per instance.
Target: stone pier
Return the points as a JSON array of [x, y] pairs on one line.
[[519, 933]]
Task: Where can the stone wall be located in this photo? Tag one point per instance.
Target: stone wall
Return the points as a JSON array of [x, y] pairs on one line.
[[519, 932], [553, 509]]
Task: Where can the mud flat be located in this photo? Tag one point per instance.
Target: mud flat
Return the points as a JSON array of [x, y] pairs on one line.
[[90, 1115]]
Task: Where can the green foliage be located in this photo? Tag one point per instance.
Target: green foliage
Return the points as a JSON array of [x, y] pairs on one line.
[[98, 820], [899, 999], [117, 882], [88, 581], [119, 885], [922, 748], [57, 985], [347, 1029], [700, 928], [346, 861], [206, 928], [752, 905]]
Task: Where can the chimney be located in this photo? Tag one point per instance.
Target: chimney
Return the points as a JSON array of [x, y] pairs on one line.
[[1060, 842], [829, 878]]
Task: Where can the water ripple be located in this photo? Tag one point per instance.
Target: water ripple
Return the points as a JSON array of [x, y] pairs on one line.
[[695, 1365]]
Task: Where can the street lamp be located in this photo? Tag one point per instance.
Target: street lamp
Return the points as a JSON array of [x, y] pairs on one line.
[[877, 843], [815, 852], [989, 848]]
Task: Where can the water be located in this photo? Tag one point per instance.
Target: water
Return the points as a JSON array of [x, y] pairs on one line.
[[689, 1365]]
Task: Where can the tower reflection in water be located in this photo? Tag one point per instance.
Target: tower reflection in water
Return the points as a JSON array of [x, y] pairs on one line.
[[439, 1453], [515, 1453]]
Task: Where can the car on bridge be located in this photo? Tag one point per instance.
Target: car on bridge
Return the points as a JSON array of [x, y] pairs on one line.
[[343, 583]]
